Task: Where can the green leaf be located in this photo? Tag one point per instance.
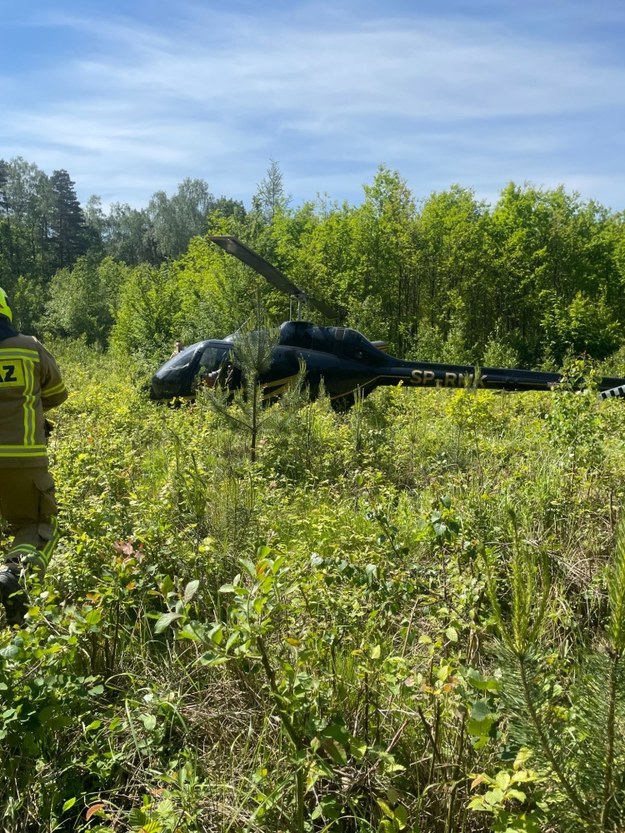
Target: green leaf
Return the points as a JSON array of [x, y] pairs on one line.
[[69, 804], [451, 634], [188, 633], [212, 659], [167, 585], [385, 808], [502, 780], [401, 816], [494, 796], [216, 634], [475, 679], [480, 728], [227, 588], [11, 651], [166, 809], [249, 567], [234, 637], [165, 620], [336, 731], [137, 818], [329, 808], [93, 617], [149, 721], [358, 748], [335, 751], [190, 590], [480, 710]]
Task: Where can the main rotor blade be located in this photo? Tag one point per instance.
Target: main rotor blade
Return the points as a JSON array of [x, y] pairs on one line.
[[251, 258]]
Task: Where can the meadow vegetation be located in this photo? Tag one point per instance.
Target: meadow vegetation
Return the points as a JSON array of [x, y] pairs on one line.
[[406, 617]]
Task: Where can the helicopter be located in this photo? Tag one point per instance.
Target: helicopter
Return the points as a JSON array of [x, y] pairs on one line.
[[334, 358]]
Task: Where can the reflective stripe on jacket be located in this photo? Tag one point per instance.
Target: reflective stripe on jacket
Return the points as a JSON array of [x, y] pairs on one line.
[[30, 384]]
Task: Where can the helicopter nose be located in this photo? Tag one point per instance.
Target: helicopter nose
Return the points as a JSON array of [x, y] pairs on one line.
[[158, 388], [166, 384]]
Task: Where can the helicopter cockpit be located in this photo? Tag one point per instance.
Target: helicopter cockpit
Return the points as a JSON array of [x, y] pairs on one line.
[[181, 374]]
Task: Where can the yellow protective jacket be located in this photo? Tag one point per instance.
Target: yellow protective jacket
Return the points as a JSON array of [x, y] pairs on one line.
[[30, 384]]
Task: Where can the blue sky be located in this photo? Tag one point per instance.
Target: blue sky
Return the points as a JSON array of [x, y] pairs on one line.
[[132, 97]]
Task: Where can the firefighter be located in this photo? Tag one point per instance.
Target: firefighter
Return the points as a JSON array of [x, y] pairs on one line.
[[30, 384]]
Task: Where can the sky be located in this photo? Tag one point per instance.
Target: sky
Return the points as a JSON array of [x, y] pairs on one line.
[[133, 97]]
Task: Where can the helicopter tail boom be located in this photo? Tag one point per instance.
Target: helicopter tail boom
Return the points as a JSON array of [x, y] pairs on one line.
[[418, 374]]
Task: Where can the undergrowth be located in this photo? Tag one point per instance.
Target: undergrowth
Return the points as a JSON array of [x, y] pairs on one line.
[[407, 617]]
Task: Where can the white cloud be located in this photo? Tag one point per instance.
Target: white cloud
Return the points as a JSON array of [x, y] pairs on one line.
[[218, 95], [421, 69]]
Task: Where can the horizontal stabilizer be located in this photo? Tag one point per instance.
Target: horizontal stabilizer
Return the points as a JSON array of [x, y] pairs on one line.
[[612, 392]]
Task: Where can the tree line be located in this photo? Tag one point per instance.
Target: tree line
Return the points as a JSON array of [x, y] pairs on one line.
[[527, 280]]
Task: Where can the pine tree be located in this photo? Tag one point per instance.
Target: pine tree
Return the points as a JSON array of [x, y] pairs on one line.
[[67, 230]]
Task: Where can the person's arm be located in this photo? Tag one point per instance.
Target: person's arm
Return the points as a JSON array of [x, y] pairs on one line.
[[53, 390]]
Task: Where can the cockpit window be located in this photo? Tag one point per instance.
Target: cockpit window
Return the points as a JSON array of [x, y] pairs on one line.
[[182, 359], [213, 358]]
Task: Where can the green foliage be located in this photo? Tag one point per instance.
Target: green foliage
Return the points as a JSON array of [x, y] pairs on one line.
[[528, 582], [507, 791], [584, 326], [273, 616], [529, 279], [148, 314], [568, 708], [83, 301], [499, 354], [27, 303], [306, 639]]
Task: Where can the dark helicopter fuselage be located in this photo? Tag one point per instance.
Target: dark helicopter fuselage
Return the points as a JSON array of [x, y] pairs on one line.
[[341, 359]]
